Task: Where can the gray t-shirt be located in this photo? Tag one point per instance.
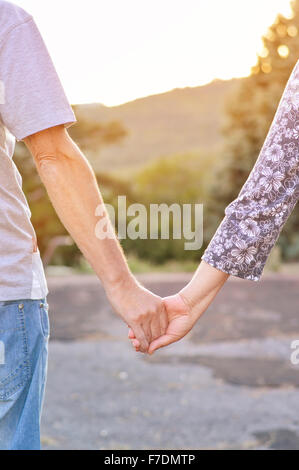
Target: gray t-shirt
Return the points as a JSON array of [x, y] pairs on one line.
[[31, 99]]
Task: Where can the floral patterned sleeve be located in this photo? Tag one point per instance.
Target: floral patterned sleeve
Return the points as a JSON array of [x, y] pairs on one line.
[[253, 221]]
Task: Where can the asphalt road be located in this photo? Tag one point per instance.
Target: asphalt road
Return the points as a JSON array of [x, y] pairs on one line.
[[229, 385]]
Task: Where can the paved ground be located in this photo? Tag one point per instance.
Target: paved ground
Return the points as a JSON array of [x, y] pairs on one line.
[[230, 384]]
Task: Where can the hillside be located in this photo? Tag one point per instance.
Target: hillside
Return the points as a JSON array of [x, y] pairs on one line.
[[173, 122]]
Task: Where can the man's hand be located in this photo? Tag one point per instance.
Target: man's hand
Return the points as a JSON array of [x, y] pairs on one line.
[[142, 311], [74, 193], [180, 322]]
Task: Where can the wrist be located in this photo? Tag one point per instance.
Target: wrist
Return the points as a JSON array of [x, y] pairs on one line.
[[123, 283], [192, 302]]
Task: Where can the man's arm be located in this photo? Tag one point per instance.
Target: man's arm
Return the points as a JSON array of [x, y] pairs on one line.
[[74, 193]]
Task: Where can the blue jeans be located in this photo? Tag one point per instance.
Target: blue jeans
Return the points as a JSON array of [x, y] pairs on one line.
[[24, 335]]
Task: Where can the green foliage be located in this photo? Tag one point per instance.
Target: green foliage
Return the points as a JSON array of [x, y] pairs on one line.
[[180, 179], [138, 265], [91, 135]]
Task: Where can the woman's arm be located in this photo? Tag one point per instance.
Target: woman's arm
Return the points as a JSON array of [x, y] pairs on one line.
[[252, 223]]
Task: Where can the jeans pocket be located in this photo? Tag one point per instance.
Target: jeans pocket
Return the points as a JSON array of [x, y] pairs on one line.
[[44, 319], [14, 357]]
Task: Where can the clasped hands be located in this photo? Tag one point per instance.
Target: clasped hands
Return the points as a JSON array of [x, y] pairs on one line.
[[153, 322]]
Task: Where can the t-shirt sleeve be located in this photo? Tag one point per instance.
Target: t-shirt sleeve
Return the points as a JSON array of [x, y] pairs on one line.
[[32, 97]]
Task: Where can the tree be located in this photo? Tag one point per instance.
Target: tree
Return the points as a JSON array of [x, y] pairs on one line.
[[92, 135], [173, 180]]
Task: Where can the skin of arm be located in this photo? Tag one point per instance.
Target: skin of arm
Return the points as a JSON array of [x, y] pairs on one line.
[[74, 193], [186, 307]]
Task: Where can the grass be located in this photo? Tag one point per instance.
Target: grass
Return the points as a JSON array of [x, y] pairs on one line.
[[137, 265], [140, 266]]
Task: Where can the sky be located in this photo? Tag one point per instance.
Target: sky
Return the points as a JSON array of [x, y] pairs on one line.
[[114, 51]]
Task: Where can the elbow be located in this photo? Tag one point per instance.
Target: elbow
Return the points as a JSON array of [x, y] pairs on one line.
[[56, 155], [49, 166], [45, 162], [62, 168]]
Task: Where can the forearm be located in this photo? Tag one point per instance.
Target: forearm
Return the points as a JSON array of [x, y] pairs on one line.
[[74, 193], [202, 289]]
